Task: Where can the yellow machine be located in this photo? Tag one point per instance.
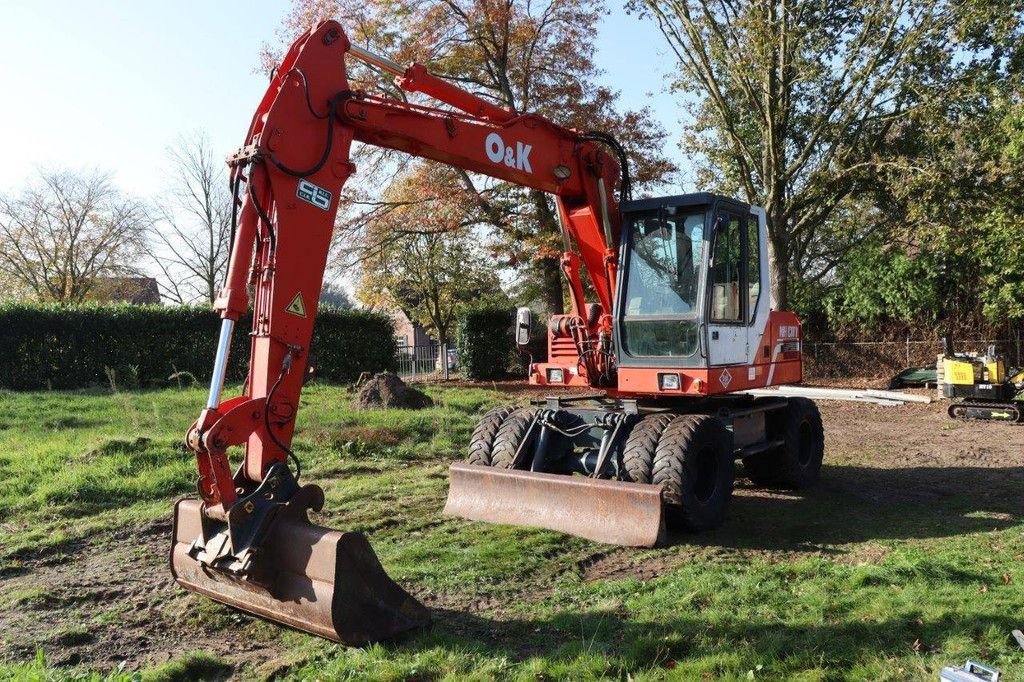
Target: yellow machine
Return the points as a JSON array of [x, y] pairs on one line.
[[980, 386]]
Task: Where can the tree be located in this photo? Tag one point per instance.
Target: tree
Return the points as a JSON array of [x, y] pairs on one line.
[[524, 55], [798, 105], [191, 241], [423, 258], [957, 212], [334, 296], [64, 231]]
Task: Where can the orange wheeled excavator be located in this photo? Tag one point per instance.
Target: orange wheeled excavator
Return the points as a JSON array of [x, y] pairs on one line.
[[681, 326]]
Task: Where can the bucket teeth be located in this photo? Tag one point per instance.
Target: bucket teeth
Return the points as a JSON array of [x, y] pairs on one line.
[[614, 512], [312, 578]]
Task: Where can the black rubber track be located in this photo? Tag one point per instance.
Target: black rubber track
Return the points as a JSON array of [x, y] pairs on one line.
[[1017, 414], [797, 462], [482, 440], [694, 465], [510, 435], [638, 453]]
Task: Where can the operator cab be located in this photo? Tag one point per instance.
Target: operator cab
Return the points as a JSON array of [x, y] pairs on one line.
[[692, 286]]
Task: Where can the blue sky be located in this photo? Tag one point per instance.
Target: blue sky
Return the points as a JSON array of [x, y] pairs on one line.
[[111, 85]]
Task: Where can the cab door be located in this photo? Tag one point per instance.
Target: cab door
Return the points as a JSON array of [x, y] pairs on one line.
[[758, 284], [727, 328]]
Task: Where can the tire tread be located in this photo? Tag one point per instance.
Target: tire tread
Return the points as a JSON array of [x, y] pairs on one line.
[[678, 445], [638, 452], [482, 440], [510, 434]]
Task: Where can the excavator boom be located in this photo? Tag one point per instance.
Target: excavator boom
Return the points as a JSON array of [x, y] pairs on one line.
[[247, 541]]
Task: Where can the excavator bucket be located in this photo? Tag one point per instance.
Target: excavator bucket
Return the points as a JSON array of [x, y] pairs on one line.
[[614, 512], [322, 581]]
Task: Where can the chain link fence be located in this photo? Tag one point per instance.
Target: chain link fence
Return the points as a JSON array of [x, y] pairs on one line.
[[883, 359]]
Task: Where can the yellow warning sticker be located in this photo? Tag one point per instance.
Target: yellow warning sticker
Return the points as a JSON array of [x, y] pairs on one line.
[[296, 307]]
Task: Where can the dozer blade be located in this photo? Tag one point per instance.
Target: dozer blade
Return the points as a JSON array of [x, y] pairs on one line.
[[615, 512], [322, 581]]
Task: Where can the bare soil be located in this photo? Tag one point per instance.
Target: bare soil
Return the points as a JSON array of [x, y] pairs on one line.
[[889, 472], [387, 390], [113, 601]]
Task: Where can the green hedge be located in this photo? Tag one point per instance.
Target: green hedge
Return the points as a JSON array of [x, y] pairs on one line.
[[486, 342], [49, 346]]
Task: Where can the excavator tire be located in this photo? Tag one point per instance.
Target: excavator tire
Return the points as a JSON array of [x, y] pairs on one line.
[[797, 462], [482, 440], [638, 452], [510, 434], [694, 465]]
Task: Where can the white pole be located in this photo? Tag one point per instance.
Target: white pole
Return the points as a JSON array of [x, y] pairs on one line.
[[220, 363]]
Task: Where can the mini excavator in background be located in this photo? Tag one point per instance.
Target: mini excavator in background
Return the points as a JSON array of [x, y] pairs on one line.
[[680, 326], [981, 387]]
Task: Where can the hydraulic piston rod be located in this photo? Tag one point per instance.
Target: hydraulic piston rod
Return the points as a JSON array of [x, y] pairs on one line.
[[220, 363]]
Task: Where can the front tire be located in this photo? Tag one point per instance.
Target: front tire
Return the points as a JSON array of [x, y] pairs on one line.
[[694, 465], [638, 452], [796, 463], [510, 434], [482, 441]]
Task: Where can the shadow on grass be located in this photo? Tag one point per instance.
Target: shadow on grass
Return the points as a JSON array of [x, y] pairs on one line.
[[720, 646], [859, 504]]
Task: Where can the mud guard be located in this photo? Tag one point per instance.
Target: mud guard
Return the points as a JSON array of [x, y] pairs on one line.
[[315, 579], [614, 512]]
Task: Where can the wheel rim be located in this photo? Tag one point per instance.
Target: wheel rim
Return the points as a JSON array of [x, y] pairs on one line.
[[707, 475], [806, 444]]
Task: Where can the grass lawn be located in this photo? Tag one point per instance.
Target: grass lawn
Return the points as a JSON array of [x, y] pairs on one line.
[[899, 563]]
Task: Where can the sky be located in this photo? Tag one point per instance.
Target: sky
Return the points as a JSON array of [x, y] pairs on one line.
[[111, 85]]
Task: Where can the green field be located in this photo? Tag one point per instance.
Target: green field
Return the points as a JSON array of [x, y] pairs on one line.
[[824, 586]]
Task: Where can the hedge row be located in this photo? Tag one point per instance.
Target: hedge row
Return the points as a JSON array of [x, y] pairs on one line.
[[487, 342], [49, 346]]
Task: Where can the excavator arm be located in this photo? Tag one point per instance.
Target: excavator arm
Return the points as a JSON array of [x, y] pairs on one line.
[[287, 180]]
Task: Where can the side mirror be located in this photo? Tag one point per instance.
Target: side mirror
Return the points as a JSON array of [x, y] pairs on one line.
[[524, 323]]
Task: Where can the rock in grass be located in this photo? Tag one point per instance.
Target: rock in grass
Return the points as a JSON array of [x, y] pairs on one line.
[[386, 390]]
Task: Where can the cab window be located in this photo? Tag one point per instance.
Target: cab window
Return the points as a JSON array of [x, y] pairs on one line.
[[727, 260], [753, 268], [663, 280]]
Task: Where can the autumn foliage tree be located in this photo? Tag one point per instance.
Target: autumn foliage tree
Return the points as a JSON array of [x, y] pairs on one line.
[[523, 55], [422, 257]]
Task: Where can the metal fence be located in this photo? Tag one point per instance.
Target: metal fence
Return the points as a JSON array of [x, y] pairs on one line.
[[421, 363], [886, 358]]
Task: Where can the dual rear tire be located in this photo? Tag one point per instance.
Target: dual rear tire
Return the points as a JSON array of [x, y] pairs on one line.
[[690, 457], [497, 436], [481, 443]]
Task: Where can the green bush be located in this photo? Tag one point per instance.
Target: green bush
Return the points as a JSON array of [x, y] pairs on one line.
[[50, 346], [486, 342]]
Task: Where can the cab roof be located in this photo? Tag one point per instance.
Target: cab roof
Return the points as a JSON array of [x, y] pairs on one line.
[[694, 199]]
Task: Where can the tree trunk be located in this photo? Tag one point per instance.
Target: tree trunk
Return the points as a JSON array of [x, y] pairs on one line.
[[551, 268], [554, 294], [778, 261]]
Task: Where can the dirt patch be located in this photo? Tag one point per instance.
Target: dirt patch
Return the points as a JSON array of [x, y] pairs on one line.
[[113, 600], [622, 563], [367, 434], [388, 391]]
